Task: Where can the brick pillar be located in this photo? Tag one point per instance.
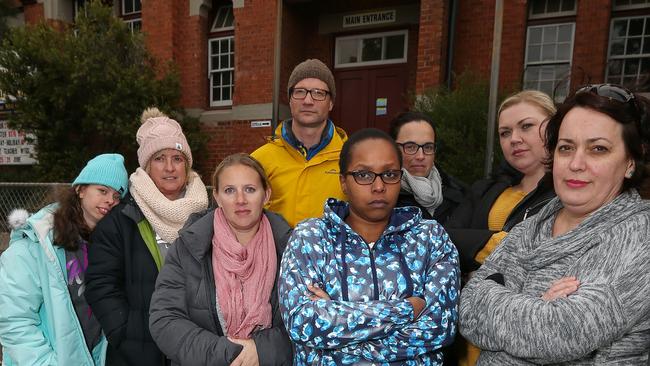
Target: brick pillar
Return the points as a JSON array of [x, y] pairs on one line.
[[432, 44], [513, 43], [34, 13], [158, 27], [191, 41], [254, 52], [590, 42]]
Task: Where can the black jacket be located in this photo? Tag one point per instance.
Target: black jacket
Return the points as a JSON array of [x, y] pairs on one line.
[[453, 194], [119, 282], [468, 225], [183, 318]]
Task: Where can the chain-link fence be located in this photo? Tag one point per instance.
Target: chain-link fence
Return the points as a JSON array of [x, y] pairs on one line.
[[30, 196]]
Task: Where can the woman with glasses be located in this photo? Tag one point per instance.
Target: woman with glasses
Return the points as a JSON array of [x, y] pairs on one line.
[[423, 184], [368, 283], [570, 285]]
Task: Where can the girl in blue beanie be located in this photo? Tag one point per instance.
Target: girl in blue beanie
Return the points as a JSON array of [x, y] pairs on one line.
[[44, 318]]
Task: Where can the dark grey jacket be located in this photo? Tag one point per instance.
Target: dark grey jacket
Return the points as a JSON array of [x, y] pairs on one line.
[[183, 318]]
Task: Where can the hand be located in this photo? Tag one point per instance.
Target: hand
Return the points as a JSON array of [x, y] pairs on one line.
[[561, 288], [248, 355], [418, 305], [317, 293]]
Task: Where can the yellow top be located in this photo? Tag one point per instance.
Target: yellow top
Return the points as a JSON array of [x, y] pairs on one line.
[[497, 217]]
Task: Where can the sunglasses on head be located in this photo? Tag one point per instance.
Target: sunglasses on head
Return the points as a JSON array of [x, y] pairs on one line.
[[611, 91]]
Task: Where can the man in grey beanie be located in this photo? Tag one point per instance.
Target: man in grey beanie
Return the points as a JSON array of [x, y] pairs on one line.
[[302, 163]]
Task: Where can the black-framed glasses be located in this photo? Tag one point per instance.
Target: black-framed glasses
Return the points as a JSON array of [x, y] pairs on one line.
[[611, 91], [367, 177], [411, 148], [316, 94]]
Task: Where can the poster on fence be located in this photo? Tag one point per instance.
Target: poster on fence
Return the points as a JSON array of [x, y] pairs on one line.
[[14, 147]]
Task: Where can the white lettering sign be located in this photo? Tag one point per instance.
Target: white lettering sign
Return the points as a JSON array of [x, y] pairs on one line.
[[14, 147], [379, 17]]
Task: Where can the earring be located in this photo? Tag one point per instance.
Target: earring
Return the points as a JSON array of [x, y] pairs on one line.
[[629, 174]]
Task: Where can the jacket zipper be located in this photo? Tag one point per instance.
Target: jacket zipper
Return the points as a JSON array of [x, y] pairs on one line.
[[374, 271], [212, 297]]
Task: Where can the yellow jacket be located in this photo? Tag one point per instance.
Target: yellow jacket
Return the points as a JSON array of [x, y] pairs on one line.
[[301, 187]]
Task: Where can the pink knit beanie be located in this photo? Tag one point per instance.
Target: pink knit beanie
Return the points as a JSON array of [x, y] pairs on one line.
[[159, 132]]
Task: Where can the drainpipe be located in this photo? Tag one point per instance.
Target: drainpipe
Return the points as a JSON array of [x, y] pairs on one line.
[[451, 40], [276, 69], [494, 85]]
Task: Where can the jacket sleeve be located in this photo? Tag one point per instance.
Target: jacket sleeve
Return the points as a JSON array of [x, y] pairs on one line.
[[500, 318], [105, 292], [21, 298], [177, 336], [273, 345], [329, 324], [436, 325]]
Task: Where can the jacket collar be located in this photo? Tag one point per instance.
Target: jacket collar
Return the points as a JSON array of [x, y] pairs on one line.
[[401, 218]]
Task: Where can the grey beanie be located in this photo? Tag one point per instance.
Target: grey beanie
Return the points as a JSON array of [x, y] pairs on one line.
[[313, 68]]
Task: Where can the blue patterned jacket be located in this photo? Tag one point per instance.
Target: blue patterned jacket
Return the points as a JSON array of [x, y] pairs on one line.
[[368, 321]]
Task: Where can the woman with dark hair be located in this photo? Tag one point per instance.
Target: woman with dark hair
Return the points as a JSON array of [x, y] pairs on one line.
[[570, 284], [369, 283], [44, 318], [130, 246], [216, 300], [423, 184]]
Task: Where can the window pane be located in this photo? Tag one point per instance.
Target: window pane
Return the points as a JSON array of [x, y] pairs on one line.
[[620, 28], [230, 18], [395, 46], [553, 6], [347, 51], [550, 34], [564, 33], [535, 35], [538, 6], [645, 66], [615, 67], [646, 45], [617, 47], [563, 51], [631, 66], [223, 62], [568, 5], [534, 53], [633, 46], [371, 50], [137, 5], [548, 52], [127, 6], [636, 27]]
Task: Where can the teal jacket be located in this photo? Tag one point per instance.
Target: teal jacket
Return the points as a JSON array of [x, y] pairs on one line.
[[38, 324]]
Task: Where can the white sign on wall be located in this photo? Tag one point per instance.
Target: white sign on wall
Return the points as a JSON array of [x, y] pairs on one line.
[[14, 148], [376, 17]]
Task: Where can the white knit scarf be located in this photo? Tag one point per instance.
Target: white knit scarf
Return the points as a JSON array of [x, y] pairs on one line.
[[165, 216], [427, 191]]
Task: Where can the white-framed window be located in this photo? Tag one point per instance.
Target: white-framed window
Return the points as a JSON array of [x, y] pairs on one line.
[[131, 7], [371, 49], [223, 20], [549, 50], [135, 25], [628, 61], [551, 8], [631, 4], [221, 65]]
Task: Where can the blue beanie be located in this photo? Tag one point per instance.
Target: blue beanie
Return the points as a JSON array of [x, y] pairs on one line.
[[106, 170]]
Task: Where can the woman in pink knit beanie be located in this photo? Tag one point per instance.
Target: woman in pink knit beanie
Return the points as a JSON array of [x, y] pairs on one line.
[[130, 245]]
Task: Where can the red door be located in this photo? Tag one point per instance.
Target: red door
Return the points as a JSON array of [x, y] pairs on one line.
[[369, 97]]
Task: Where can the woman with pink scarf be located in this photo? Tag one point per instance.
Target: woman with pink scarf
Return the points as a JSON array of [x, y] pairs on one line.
[[216, 301]]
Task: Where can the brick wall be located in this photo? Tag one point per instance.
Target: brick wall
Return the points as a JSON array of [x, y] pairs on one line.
[[228, 138], [34, 13], [590, 42], [432, 44]]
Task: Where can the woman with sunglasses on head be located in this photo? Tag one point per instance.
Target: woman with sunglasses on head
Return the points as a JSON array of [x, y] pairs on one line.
[[424, 185], [570, 285], [44, 317], [368, 283]]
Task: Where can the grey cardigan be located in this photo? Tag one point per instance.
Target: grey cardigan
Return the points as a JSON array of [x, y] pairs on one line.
[[605, 322], [183, 314]]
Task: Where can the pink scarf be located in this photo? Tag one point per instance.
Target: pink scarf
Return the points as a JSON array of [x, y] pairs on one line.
[[243, 276]]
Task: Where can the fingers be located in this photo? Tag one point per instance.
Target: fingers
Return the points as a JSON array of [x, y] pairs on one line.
[[317, 293], [561, 288]]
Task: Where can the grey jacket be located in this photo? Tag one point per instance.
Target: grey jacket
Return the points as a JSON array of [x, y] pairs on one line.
[[605, 322], [183, 315]]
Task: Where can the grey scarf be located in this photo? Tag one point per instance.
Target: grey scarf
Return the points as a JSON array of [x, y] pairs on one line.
[[427, 191]]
